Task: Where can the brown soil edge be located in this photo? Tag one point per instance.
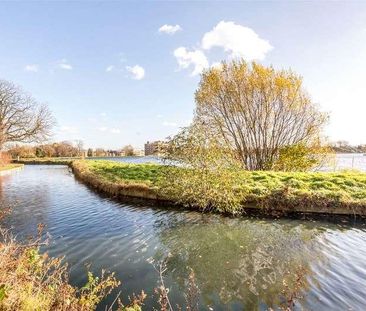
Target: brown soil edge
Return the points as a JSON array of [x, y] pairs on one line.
[[277, 205]]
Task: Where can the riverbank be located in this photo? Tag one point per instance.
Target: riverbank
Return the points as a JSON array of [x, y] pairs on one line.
[[58, 160], [10, 167], [135, 180], [341, 193], [31, 280], [45, 161]]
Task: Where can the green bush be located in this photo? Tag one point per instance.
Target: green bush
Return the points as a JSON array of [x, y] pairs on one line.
[[218, 190]]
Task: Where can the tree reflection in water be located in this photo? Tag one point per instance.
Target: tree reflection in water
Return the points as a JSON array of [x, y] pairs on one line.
[[238, 262]]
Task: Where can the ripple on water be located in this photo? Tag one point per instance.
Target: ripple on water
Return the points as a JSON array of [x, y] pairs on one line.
[[238, 262]]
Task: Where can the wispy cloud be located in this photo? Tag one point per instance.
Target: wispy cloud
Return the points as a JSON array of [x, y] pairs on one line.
[[118, 65], [110, 68], [69, 129], [115, 131], [169, 29], [170, 124], [64, 64], [217, 65], [237, 40], [137, 72], [31, 68], [110, 130], [186, 58]]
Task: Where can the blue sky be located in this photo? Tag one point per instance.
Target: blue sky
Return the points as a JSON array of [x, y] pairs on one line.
[[112, 78]]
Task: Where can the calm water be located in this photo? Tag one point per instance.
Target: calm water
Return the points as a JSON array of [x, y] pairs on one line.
[[136, 160], [351, 161], [239, 263]]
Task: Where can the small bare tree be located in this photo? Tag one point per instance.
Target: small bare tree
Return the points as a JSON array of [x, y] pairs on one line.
[[80, 147], [257, 111], [22, 119]]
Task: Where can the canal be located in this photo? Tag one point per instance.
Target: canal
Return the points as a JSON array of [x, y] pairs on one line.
[[239, 263]]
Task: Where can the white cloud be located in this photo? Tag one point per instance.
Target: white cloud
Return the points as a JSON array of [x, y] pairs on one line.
[[31, 68], [64, 64], [170, 29], [103, 114], [115, 131], [216, 65], [109, 68], [137, 72], [110, 130], [186, 58], [171, 124], [237, 40]]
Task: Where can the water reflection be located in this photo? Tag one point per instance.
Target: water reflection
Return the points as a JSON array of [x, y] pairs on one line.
[[21, 203], [239, 263]]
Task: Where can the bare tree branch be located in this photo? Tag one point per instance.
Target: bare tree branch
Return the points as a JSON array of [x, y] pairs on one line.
[[22, 119], [257, 111]]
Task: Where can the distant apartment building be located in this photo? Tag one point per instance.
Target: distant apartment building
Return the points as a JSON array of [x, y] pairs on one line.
[[139, 153], [154, 148], [114, 153]]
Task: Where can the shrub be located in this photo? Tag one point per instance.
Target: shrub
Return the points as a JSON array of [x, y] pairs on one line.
[[302, 158], [32, 281], [205, 173], [5, 158], [218, 190]]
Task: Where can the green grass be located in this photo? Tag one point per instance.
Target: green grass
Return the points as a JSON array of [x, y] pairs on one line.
[[351, 183], [122, 172], [277, 189]]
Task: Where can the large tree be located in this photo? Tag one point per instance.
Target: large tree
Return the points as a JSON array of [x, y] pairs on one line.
[[128, 150], [22, 118], [257, 111]]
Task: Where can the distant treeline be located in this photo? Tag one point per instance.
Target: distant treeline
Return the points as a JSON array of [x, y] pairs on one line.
[[57, 149], [345, 147], [65, 149]]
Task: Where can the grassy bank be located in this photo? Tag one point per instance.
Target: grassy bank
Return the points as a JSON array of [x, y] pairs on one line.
[[118, 179], [45, 161], [313, 192], [32, 281], [10, 166]]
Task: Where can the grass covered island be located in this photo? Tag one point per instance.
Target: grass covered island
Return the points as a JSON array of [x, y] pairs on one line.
[[268, 191]]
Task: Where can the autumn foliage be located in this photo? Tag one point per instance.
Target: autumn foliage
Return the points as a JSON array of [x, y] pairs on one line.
[[257, 111]]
